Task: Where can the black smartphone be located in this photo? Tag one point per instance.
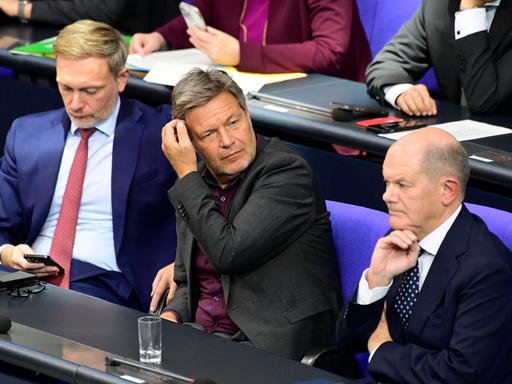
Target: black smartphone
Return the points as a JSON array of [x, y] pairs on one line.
[[16, 279], [45, 259], [359, 108], [397, 126]]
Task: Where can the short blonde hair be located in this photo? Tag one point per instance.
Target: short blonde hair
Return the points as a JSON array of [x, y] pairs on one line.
[[88, 38]]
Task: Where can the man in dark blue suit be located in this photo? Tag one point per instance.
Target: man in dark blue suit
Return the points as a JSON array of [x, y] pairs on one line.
[[125, 227], [435, 305]]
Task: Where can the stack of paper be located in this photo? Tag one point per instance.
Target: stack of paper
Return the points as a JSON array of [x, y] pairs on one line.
[[168, 67], [462, 130]]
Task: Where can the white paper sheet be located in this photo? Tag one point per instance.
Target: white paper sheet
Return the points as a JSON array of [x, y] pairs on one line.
[[462, 130], [170, 74], [179, 56]]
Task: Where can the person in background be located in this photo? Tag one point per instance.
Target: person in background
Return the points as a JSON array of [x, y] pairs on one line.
[[129, 16], [435, 304], [323, 36], [468, 43], [86, 184]]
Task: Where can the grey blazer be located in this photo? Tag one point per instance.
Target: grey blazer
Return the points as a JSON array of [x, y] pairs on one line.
[[274, 252], [479, 63]]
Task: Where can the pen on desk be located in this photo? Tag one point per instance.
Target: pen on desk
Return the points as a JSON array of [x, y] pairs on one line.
[[270, 99]]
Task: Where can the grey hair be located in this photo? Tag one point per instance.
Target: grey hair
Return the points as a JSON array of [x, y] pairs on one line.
[[198, 87], [450, 159]]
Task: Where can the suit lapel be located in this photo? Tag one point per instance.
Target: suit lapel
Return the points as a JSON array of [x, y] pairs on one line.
[[501, 25], [49, 152], [125, 154], [445, 264]]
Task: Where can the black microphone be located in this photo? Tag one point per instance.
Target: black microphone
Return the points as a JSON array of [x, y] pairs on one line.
[[114, 360], [5, 324]]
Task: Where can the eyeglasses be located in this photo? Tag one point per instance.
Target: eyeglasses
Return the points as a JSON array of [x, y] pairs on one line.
[[26, 291]]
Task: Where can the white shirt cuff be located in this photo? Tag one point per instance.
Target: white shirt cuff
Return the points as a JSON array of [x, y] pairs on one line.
[[372, 353], [469, 21], [391, 92], [365, 295]]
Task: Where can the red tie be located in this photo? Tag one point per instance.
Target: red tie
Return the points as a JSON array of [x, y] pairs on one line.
[[64, 236]]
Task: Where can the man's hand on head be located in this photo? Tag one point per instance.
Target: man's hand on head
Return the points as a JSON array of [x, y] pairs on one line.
[[178, 148], [417, 101], [393, 255]]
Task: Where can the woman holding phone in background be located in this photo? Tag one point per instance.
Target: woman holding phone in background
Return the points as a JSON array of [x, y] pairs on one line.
[[271, 36]]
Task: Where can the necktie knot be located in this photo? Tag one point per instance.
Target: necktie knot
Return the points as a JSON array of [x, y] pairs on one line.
[[85, 133]]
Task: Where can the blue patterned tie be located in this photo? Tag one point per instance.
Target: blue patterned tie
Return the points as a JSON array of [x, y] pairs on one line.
[[408, 293]]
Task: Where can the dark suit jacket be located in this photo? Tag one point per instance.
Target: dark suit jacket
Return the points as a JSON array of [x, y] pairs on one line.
[[130, 16], [273, 250], [143, 219], [480, 63], [324, 36], [461, 326]]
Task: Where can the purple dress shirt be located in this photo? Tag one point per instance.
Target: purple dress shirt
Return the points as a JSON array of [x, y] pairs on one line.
[[211, 309], [254, 22]]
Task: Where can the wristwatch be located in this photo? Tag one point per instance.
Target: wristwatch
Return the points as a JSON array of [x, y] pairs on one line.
[[21, 10]]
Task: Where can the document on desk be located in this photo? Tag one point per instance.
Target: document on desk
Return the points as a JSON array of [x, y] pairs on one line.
[[463, 130], [168, 67], [191, 56]]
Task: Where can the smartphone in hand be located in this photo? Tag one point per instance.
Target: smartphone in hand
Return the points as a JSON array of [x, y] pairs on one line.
[[192, 16], [45, 259]]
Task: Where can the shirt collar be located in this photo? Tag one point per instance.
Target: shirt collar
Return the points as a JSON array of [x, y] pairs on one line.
[[432, 242], [108, 126], [495, 3]]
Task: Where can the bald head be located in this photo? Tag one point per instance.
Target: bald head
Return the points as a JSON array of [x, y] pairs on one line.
[[437, 154], [425, 174]]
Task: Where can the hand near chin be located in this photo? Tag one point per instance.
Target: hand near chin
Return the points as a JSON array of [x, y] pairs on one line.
[[178, 148], [393, 255]]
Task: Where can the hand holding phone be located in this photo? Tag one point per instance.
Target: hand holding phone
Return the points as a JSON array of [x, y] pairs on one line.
[[44, 259], [192, 16]]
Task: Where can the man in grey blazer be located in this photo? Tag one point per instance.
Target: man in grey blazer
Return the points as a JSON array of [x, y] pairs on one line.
[[255, 260], [469, 45]]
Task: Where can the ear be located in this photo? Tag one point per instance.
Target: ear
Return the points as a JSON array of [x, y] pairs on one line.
[[450, 190], [122, 79]]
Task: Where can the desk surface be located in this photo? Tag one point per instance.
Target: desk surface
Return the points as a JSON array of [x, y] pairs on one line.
[[320, 90], [315, 89], [186, 351]]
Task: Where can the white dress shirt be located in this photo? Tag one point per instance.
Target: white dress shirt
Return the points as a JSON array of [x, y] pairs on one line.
[[94, 239], [430, 245], [466, 23]]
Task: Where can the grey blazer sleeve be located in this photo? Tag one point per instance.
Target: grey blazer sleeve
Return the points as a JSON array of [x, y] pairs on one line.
[[68, 11], [404, 59], [277, 210]]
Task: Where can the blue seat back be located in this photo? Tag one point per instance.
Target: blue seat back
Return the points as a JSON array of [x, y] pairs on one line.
[[382, 19], [355, 231], [498, 221]]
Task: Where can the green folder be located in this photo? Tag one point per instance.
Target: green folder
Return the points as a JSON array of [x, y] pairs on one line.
[[44, 48]]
